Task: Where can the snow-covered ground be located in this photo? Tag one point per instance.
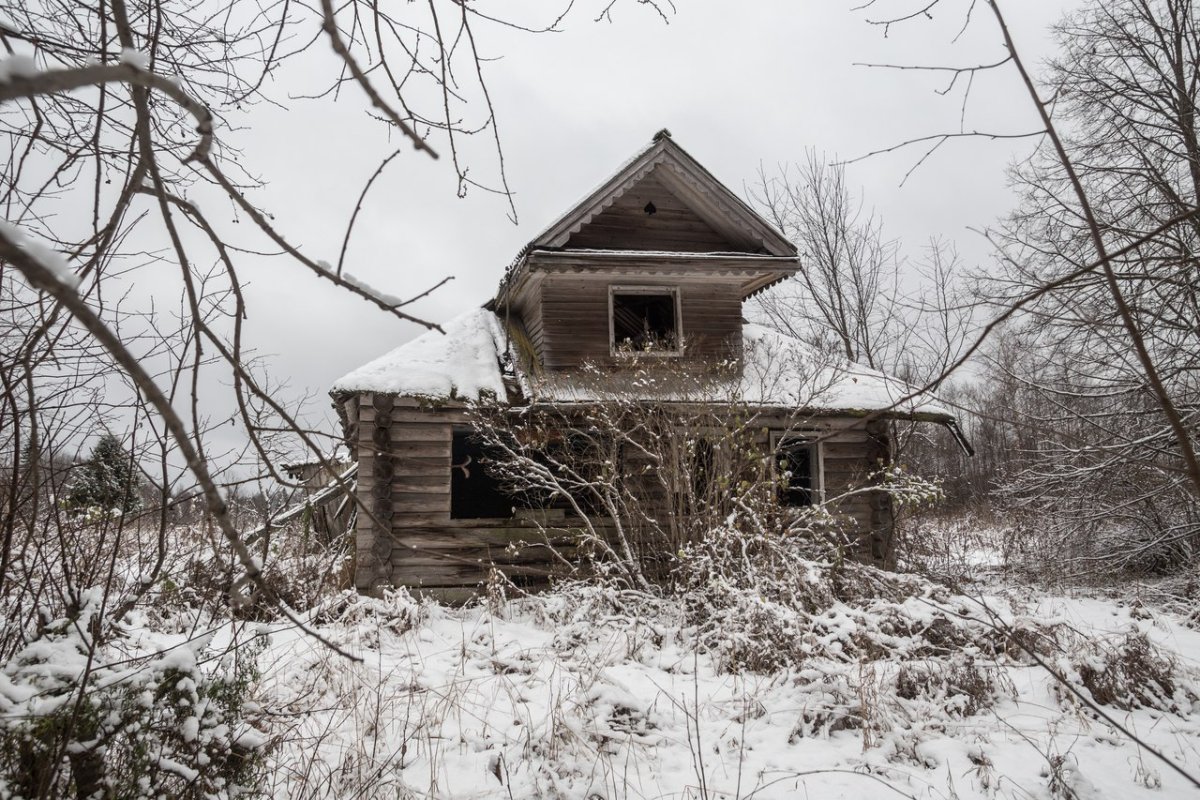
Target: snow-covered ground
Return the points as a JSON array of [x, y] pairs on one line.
[[827, 681], [583, 695]]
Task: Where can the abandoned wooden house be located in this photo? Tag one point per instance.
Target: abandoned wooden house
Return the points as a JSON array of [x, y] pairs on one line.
[[653, 266]]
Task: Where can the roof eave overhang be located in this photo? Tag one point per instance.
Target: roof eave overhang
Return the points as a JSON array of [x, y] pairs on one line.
[[755, 272], [856, 413]]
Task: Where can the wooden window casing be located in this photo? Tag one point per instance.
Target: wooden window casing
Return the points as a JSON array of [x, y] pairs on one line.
[[675, 338], [791, 453]]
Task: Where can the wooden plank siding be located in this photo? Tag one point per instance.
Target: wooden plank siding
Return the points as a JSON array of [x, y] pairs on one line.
[[574, 318], [421, 547], [673, 227]]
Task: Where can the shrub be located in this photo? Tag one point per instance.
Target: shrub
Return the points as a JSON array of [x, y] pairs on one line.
[[1131, 673], [961, 687], [86, 719], [761, 603]]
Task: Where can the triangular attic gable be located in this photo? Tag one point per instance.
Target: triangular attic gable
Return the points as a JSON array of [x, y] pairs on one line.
[[706, 201], [649, 216]]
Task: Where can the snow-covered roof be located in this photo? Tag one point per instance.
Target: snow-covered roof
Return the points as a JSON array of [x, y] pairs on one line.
[[776, 371], [460, 364], [782, 370]]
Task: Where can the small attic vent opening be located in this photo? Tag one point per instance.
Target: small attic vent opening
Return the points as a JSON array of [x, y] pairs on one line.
[[645, 320], [650, 208]]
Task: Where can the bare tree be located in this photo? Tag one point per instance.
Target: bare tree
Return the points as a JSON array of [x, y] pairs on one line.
[[1116, 92], [846, 299], [117, 118], [858, 298], [1111, 377]]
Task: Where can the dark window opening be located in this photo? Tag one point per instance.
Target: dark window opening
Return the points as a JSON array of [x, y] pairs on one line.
[[644, 321], [703, 461], [798, 472], [474, 493], [697, 493], [587, 466], [650, 208]]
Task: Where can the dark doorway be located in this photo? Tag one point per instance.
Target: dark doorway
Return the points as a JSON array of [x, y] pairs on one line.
[[797, 461]]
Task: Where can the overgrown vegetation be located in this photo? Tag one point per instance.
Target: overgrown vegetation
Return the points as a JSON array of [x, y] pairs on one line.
[[159, 637]]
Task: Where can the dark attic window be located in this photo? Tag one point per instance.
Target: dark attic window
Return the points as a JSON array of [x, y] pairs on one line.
[[645, 320], [474, 494]]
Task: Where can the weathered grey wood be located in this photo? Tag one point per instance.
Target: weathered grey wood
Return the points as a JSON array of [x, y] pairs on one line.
[[416, 467], [466, 574], [420, 484], [406, 431], [425, 548], [575, 320], [420, 503], [700, 239], [673, 226]]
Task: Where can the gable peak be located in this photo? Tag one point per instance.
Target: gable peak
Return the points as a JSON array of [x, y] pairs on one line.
[[720, 208]]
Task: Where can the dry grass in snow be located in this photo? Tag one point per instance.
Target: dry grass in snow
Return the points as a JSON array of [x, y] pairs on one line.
[[594, 693]]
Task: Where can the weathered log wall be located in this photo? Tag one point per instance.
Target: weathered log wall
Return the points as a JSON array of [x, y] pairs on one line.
[[572, 322], [408, 538]]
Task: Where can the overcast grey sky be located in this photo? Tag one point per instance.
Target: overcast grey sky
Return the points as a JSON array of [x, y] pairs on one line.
[[738, 84]]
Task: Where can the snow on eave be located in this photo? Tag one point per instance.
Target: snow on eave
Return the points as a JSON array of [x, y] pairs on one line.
[[777, 372], [339, 456], [461, 364], [777, 366]]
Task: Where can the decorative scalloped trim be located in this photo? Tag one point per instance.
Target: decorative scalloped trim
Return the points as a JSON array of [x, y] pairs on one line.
[[617, 193], [735, 215]]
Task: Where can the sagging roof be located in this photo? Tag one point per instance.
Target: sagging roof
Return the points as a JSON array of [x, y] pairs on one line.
[[467, 364]]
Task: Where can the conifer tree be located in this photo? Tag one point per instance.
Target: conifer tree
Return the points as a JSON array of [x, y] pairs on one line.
[[107, 480]]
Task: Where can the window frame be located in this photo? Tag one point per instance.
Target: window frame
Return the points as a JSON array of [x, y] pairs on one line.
[[816, 447], [492, 484], [673, 291]]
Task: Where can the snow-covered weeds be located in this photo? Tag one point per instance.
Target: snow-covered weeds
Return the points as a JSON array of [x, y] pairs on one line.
[[136, 716], [121, 681], [763, 671], [595, 691]]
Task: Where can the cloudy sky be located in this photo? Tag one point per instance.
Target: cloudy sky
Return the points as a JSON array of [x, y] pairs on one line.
[[738, 84]]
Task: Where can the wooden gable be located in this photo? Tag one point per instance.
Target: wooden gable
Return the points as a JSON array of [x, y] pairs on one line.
[[661, 226], [698, 212], [649, 216]]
